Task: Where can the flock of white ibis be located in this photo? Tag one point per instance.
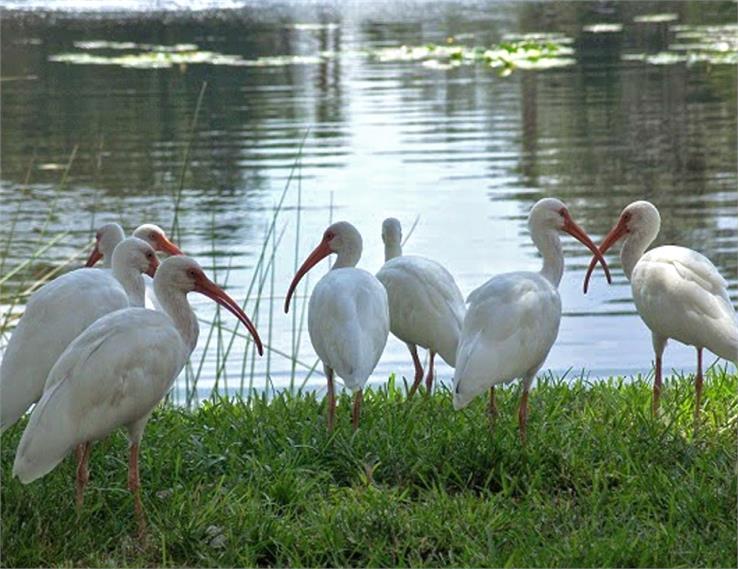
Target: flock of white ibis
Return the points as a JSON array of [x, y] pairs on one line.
[[98, 349]]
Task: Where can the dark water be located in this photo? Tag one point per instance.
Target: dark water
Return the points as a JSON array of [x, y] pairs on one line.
[[465, 149]]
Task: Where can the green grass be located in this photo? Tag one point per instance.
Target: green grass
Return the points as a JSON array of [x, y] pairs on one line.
[[245, 483]]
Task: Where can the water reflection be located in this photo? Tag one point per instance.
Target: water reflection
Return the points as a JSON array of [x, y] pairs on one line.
[[467, 150]]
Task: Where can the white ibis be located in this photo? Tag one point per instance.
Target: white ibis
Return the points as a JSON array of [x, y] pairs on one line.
[[513, 319], [425, 304], [348, 315], [116, 372], [59, 312], [678, 293], [110, 234]]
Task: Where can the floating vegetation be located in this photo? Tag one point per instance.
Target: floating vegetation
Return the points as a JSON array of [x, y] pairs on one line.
[[531, 51], [603, 28], [166, 56], [717, 45], [102, 44], [656, 18], [307, 27]]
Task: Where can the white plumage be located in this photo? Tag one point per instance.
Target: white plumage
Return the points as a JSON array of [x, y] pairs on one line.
[[426, 306], [109, 235], [678, 292], [348, 314], [115, 373], [512, 323], [59, 312], [108, 377], [343, 332], [513, 319]]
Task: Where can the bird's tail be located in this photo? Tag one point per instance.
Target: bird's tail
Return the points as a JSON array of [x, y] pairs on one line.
[[45, 442]]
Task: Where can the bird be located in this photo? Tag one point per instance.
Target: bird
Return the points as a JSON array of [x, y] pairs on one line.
[[115, 373], [59, 312], [110, 234], [425, 304], [512, 320], [678, 293], [348, 315]]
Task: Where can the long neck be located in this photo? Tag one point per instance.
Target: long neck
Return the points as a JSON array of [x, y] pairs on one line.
[[633, 248], [133, 284], [392, 249], [175, 304], [348, 256], [549, 245]]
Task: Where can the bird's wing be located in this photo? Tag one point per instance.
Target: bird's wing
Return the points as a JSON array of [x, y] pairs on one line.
[[508, 332], [112, 375], [348, 321], [55, 315], [426, 305], [680, 294]]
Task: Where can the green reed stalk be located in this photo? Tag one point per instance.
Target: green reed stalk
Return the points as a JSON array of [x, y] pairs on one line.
[[186, 162]]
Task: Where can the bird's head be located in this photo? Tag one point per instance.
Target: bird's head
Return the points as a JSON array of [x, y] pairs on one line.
[[184, 275], [639, 220], [341, 238], [391, 231], [107, 238], [135, 254], [155, 236], [553, 215]]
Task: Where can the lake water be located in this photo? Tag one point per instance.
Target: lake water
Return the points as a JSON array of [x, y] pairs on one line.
[[464, 149]]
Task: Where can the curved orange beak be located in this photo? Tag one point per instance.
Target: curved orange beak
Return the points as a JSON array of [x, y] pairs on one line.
[[153, 265], [580, 235], [205, 286], [318, 254], [95, 256], [616, 233], [164, 244]]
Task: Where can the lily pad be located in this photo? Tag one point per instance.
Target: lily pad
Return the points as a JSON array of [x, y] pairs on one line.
[[166, 58], [603, 28], [716, 45], [530, 51], [656, 18], [314, 27]]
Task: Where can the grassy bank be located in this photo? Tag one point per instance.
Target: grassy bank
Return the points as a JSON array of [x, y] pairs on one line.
[[600, 483]]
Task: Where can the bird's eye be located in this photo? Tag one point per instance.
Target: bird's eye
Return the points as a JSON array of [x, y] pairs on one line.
[[329, 235], [192, 273], [153, 236], [149, 255], [626, 216], [562, 212]]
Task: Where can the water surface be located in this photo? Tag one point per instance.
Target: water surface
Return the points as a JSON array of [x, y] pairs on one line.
[[466, 150]]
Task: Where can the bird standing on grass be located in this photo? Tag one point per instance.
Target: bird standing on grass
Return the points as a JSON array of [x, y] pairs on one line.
[[59, 312], [426, 306], [513, 319], [115, 373], [678, 293], [348, 315]]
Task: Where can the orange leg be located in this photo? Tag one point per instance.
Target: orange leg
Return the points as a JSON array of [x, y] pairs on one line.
[[134, 485], [657, 387], [431, 375], [523, 416], [331, 400], [418, 370], [83, 474], [356, 415], [492, 406], [698, 388]]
